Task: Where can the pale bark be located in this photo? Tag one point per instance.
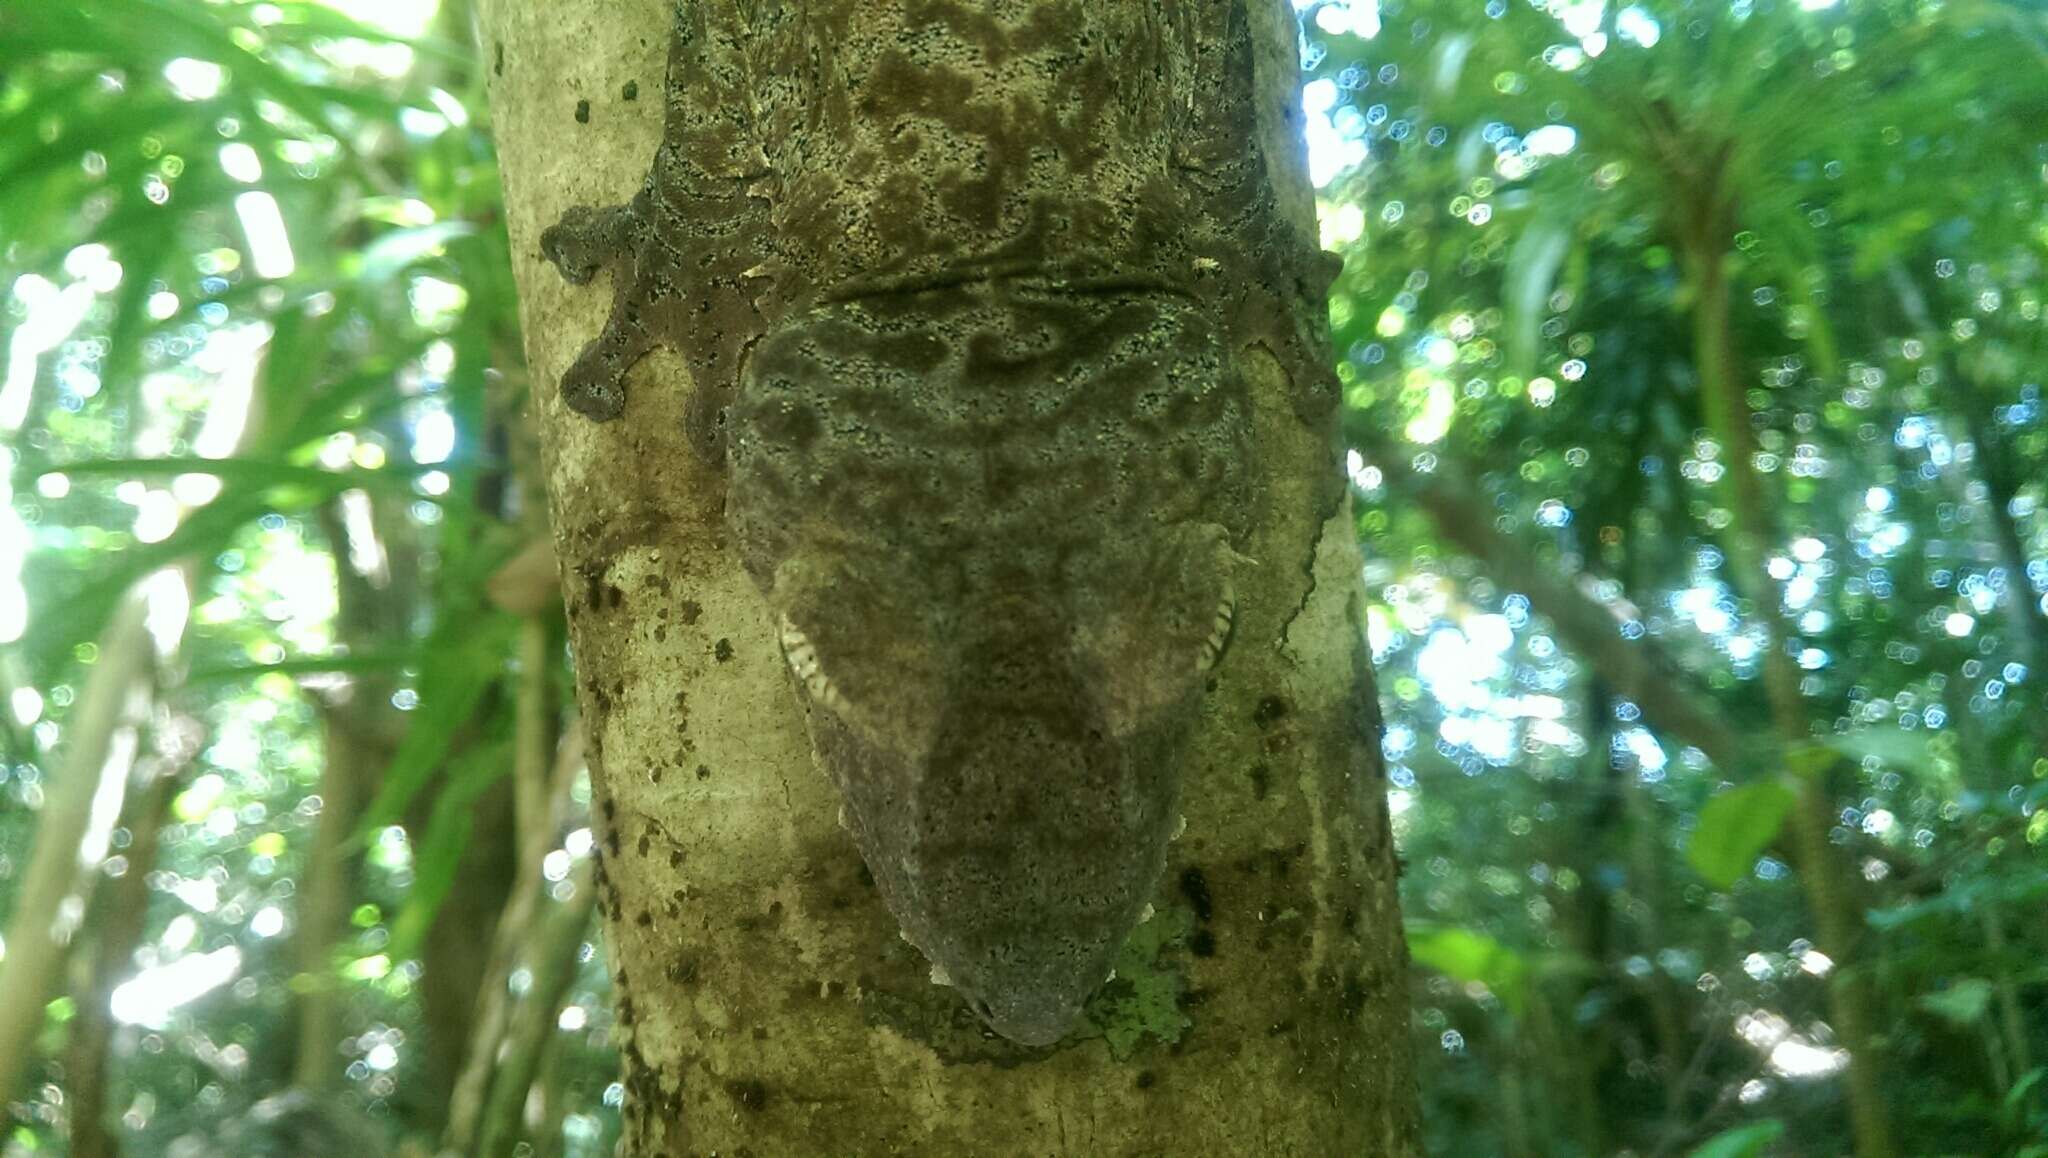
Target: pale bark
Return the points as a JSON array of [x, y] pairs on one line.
[[765, 1000]]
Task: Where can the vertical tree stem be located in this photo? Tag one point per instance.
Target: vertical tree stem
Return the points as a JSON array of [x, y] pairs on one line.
[[1821, 869], [36, 944]]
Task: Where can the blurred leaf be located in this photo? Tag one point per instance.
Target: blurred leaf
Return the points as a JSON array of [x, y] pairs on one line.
[[1734, 829], [1742, 1141], [1964, 1002], [246, 471], [1807, 760], [2028, 886], [382, 662], [1530, 275], [1463, 955], [201, 535], [400, 249], [1906, 750], [437, 854], [464, 657], [2017, 1095]]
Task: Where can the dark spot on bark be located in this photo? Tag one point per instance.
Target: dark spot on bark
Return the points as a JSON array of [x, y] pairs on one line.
[[703, 771], [1203, 943], [613, 597], [1146, 1079], [760, 1033], [1279, 861], [645, 844], [1262, 781], [1270, 710], [751, 1094], [498, 59], [582, 112], [1351, 999], [644, 919], [691, 609], [631, 91], [722, 651], [866, 878], [775, 910], [1195, 887]]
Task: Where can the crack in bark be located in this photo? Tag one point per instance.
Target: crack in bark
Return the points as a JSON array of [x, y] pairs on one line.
[[1308, 567]]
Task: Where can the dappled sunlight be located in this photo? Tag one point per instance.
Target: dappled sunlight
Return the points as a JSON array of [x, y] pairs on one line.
[[1544, 366], [1692, 366]]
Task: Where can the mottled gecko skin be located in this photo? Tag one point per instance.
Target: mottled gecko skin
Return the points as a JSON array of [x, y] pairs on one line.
[[963, 288]]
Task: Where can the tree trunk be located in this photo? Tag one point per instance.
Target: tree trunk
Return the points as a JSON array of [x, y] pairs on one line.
[[1829, 883], [120, 911], [94, 756], [765, 998]]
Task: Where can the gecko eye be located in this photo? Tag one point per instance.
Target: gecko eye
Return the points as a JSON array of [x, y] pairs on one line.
[[803, 660], [1220, 630]]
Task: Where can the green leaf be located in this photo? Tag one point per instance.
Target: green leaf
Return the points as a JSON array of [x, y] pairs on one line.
[[1968, 895], [1893, 745], [1530, 275], [1735, 828], [2017, 1095], [1464, 955], [438, 852], [373, 663], [202, 535], [1742, 1141], [464, 657], [1809, 760], [248, 471], [401, 249], [1964, 1002]]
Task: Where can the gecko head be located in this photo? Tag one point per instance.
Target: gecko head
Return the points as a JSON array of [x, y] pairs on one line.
[[1029, 1018], [1010, 757]]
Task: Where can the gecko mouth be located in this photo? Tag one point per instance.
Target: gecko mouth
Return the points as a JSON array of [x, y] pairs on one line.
[[1040, 1027]]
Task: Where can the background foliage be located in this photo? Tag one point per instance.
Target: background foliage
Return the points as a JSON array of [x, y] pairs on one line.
[[1694, 359]]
